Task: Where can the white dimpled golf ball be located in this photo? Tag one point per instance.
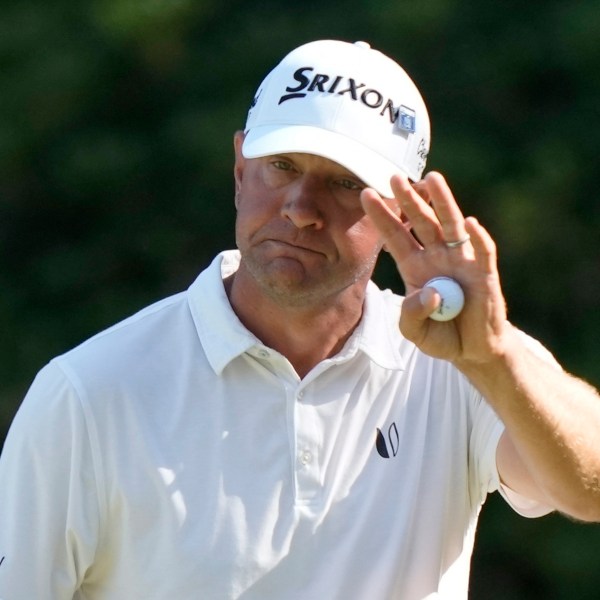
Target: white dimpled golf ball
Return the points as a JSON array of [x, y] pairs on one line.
[[453, 298]]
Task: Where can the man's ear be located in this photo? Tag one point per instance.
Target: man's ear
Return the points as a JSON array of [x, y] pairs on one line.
[[238, 168]]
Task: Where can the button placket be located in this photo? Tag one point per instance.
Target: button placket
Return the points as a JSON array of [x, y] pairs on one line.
[[308, 487]]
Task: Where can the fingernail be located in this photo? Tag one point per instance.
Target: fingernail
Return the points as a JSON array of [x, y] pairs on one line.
[[426, 295]]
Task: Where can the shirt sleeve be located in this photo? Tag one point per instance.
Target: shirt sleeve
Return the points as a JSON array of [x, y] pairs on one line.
[[485, 438], [522, 505], [487, 431], [49, 501]]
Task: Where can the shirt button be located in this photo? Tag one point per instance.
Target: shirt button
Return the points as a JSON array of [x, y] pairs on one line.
[[263, 353], [306, 457]]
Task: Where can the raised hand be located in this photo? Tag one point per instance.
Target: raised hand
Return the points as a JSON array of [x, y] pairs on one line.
[[427, 235]]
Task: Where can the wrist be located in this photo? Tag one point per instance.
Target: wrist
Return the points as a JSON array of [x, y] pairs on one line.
[[499, 361]]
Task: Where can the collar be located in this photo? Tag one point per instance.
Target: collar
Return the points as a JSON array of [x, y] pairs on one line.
[[224, 337], [378, 333]]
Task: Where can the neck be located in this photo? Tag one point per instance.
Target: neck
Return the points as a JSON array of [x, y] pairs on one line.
[[305, 335]]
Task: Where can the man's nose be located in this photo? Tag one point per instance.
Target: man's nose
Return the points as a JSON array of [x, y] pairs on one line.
[[302, 205]]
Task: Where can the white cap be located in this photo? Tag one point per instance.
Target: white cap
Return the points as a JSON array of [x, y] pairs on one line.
[[345, 102]]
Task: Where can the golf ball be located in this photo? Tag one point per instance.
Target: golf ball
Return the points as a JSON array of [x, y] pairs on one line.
[[453, 298]]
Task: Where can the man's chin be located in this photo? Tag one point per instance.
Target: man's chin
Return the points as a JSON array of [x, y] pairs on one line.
[[286, 282]]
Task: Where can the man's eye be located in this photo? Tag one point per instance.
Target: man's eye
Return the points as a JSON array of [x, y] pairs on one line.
[[282, 165], [348, 184]]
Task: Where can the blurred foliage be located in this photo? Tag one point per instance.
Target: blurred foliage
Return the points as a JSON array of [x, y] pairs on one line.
[[116, 119]]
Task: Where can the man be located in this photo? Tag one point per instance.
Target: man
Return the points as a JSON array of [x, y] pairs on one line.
[[272, 432]]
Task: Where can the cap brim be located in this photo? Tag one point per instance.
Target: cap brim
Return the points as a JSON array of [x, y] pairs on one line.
[[367, 165]]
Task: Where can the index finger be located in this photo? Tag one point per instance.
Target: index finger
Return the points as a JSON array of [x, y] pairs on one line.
[[393, 230], [415, 205]]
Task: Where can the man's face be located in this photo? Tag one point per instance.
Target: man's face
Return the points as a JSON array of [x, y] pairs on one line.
[[301, 230]]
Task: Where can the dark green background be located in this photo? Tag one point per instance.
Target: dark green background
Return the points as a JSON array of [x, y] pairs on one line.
[[116, 119]]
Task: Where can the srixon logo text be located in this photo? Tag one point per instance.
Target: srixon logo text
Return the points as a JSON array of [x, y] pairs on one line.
[[337, 84]]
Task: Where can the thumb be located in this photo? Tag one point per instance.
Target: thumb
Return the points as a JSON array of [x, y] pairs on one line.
[[421, 303], [416, 309]]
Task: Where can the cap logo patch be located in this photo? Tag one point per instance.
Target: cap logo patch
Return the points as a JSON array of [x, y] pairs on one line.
[[406, 120]]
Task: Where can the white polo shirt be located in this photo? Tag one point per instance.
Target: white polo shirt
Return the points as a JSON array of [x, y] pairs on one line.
[[175, 457]]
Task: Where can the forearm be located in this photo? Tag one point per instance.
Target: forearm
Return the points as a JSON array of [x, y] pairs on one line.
[[553, 420]]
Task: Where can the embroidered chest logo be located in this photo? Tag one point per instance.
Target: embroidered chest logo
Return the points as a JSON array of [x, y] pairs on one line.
[[387, 445]]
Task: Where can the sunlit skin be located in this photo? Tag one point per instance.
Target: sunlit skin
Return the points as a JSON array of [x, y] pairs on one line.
[[308, 249]]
